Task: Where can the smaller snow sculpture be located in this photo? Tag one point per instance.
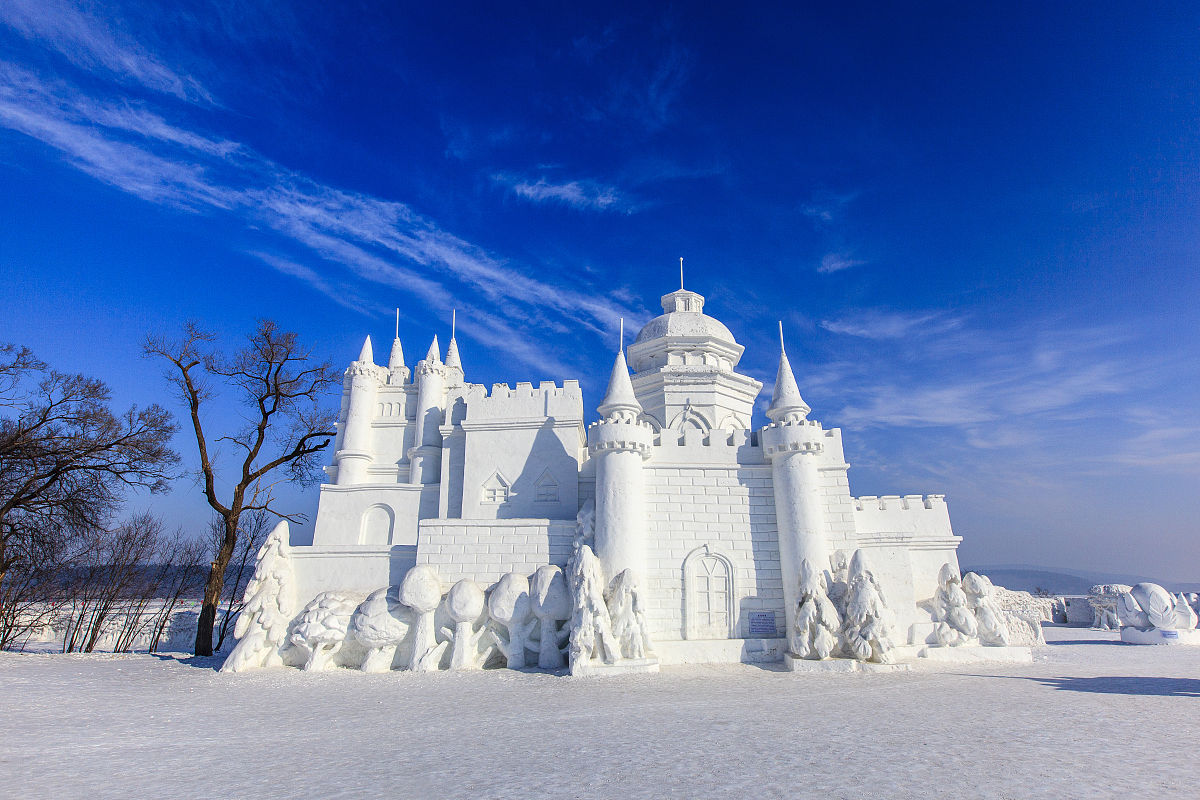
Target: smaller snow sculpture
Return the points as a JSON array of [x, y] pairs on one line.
[[551, 604], [865, 633], [990, 624], [814, 632], [421, 590], [509, 606], [628, 620], [591, 626], [262, 627], [322, 628], [464, 604], [380, 623], [1104, 598], [955, 623], [1148, 605]]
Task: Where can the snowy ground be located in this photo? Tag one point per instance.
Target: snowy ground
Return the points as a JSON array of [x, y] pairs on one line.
[[1090, 718]]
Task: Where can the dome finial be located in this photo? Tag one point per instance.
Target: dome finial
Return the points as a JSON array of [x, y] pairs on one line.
[[681, 273]]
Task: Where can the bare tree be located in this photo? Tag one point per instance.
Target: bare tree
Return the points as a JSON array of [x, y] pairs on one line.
[[275, 379], [255, 527], [66, 461]]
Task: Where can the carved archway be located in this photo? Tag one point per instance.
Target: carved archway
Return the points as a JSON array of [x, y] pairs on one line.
[[708, 595]]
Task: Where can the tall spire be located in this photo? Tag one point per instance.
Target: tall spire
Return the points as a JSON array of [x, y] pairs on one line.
[[452, 359], [396, 359], [619, 399], [434, 354], [366, 356], [786, 403]]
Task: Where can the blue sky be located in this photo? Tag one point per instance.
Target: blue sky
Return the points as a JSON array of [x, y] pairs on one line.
[[979, 226]]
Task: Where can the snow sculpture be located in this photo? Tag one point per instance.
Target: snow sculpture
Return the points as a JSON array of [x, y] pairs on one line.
[[262, 627], [865, 630], [464, 604], [551, 604], [628, 619], [421, 590], [591, 626], [380, 623], [990, 623], [814, 634], [509, 606], [322, 628], [1104, 598], [585, 523], [1148, 605], [955, 623]]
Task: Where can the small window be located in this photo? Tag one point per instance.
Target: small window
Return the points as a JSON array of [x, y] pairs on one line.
[[546, 489], [495, 490]]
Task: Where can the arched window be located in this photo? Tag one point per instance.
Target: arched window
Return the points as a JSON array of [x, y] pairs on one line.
[[376, 526], [708, 595], [495, 490]]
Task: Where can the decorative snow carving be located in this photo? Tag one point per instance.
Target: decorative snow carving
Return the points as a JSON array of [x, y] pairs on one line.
[[814, 633], [380, 623], [1148, 605], [464, 604], [585, 524], [865, 633], [510, 607], [421, 590], [262, 627], [1104, 599], [628, 620], [591, 626], [955, 623], [322, 628], [991, 625], [551, 604]]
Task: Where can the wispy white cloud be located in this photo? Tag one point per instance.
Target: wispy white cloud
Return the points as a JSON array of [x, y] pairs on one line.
[[826, 208], [836, 262], [583, 194], [882, 324], [94, 44]]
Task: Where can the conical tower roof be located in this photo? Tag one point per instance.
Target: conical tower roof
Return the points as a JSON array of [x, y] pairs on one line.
[[434, 354], [786, 402], [619, 396], [452, 359], [396, 359], [366, 356]]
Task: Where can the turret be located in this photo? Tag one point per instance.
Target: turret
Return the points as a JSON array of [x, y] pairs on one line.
[[454, 370], [356, 452], [425, 455], [620, 443], [794, 446], [397, 372]]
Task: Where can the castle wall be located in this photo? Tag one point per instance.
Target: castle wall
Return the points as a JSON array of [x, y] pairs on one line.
[[484, 550], [348, 568], [342, 512]]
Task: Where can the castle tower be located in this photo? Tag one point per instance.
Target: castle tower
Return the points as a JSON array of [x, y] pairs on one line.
[[620, 443], [356, 452], [793, 444], [683, 363], [397, 372], [426, 454]]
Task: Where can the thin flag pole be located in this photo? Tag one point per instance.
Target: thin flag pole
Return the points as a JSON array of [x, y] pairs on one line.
[[453, 321], [681, 273]]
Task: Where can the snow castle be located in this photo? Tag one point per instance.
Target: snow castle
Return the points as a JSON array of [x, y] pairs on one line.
[[697, 528]]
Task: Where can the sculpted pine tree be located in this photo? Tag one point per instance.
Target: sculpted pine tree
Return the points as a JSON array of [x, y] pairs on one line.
[[276, 380]]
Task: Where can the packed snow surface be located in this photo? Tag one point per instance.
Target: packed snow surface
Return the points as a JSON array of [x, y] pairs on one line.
[[1091, 717]]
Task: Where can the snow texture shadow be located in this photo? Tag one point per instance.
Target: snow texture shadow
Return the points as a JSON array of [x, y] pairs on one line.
[[212, 663], [1118, 684]]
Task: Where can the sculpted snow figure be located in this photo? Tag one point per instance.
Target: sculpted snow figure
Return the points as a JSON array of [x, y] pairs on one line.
[[509, 607], [464, 604], [421, 590], [814, 635], [1104, 599], [628, 619], [262, 627], [865, 630], [322, 628], [992, 629], [379, 624], [1148, 605], [551, 604], [955, 623], [591, 627]]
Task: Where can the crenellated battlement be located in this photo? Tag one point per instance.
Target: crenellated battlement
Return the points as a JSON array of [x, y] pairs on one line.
[[620, 435], [546, 400], [895, 502], [718, 446]]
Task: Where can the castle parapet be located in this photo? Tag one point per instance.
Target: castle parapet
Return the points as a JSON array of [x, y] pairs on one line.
[[527, 402], [717, 446], [620, 435]]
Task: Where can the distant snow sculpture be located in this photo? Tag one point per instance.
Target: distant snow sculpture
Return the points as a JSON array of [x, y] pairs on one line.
[[1104, 598], [551, 605], [322, 628], [510, 608], [464, 604], [421, 590], [955, 623], [262, 627], [990, 622], [865, 630], [380, 624], [628, 619], [1148, 605], [591, 626], [814, 634]]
